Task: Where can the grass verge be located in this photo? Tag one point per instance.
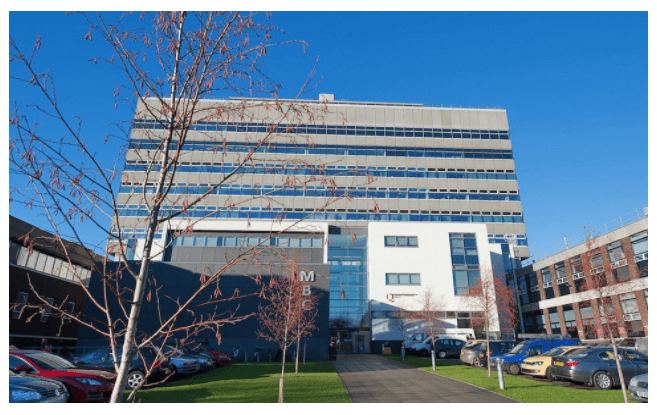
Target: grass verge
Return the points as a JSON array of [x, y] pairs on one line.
[[522, 389], [253, 382]]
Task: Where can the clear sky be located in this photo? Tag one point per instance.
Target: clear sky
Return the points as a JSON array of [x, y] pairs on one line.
[[575, 87]]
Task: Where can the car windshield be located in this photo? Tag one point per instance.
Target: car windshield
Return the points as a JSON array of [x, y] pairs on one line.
[[519, 348], [50, 361], [557, 351]]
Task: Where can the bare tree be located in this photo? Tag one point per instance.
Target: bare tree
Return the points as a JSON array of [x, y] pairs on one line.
[[431, 313], [305, 324], [495, 303], [402, 320], [602, 288], [168, 69], [280, 317]]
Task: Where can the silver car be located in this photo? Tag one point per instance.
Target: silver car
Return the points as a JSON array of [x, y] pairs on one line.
[[34, 389], [639, 387], [181, 363]]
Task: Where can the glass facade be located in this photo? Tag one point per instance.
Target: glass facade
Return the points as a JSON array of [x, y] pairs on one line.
[[349, 297], [465, 261]]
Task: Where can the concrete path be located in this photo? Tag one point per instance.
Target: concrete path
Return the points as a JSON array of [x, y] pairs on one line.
[[372, 378]]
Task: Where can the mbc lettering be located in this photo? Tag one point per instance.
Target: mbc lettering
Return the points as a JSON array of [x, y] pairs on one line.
[[307, 277]]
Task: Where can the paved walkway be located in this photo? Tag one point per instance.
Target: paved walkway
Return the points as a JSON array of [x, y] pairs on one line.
[[372, 378]]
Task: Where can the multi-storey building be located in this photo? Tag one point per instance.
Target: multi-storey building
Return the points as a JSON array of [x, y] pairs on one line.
[[554, 297], [441, 171], [45, 270]]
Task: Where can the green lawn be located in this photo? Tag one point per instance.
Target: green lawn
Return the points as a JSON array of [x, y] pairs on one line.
[[522, 389], [254, 382]]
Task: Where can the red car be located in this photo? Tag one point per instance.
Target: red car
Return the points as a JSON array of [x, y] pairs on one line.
[[222, 358], [83, 385]]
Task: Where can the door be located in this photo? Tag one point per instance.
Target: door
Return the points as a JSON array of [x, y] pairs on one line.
[[639, 361]]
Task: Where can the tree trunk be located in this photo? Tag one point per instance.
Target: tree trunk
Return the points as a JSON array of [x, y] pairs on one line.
[[126, 356], [618, 366], [280, 383], [488, 349], [296, 360], [304, 352]]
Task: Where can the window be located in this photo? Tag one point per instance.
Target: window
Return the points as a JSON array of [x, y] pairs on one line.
[[628, 303], [569, 316], [465, 261], [534, 293], [554, 319], [529, 323], [540, 322], [402, 279], [404, 241], [21, 300], [547, 283], [46, 310], [70, 308], [615, 251], [596, 260], [640, 249]]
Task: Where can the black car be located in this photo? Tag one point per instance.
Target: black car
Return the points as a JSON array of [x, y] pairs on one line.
[[448, 348], [147, 359]]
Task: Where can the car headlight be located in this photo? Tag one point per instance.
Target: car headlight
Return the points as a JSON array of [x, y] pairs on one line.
[[536, 363], [90, 382], [634, 382], [25, 395], [204, 361]]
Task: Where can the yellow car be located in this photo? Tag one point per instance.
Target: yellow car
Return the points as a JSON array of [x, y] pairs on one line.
[[538, 365]]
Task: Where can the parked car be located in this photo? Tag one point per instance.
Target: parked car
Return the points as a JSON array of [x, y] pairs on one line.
[[639, 387], [641, 345], [597, 366], [478, 355], [415, 339], [222, 358], [540, 365], [181, 363], [102, 359], [34, 389], [444, 347], [84, 385], [206, 360], [511, 361]]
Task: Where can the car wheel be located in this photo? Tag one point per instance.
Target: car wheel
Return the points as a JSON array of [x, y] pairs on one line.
[[602, 380], [134, 379], [549, 375], [442, 354], [513, 369], [477, 362]]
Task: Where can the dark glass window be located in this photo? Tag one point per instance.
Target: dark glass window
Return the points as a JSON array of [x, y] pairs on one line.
[[465, 261]]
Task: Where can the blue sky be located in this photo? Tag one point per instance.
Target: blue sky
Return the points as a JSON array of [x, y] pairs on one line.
[[575, 87]]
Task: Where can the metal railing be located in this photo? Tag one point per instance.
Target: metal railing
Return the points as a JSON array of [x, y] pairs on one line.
[[593, 232]]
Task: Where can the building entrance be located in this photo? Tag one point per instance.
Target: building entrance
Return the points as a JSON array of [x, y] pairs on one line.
[[351, 341]]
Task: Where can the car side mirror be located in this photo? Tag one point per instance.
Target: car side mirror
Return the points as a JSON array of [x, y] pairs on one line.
[[23, 369]]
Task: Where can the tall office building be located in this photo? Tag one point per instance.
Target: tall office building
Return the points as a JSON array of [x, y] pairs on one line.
[[450, 168]]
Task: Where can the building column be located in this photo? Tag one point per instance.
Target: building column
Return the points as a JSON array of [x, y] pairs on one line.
[[546, 319], [562, 320], [643, 309]]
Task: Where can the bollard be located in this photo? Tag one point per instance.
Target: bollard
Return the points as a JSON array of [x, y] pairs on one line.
[[500, 374], [433, 360]]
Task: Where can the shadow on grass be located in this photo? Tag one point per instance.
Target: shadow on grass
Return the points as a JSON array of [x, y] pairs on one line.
[[254, 382]]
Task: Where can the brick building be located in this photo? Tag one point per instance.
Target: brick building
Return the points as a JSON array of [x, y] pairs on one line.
[[552, 299]]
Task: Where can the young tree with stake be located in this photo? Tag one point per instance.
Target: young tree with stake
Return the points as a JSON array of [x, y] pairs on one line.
[[432, 315], [602, 288], [496, 304]]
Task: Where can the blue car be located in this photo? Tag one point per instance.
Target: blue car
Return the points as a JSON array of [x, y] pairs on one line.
[[511, 361]]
